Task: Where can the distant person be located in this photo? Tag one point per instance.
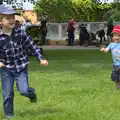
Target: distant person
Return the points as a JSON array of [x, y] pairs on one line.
[[25, 24], [101, 34], [43, 31], [84, 35], [110, 26], [71, 30], [17, 25], [28, 23], [23, 27]]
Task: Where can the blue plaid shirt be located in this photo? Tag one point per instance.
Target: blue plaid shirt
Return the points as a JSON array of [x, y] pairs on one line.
[[13, 50]]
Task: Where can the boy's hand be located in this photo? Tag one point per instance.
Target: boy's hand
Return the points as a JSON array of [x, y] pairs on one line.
[[103, 49], [44, 62], [1, 65]]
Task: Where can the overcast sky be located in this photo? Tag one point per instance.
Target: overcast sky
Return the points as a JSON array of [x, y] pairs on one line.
[[28, 6]]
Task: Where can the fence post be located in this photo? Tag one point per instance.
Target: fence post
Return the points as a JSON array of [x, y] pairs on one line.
[[60, 31]]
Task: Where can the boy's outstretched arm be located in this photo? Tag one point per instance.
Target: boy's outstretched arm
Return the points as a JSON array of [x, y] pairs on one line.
[[29, 44], [107, 49], [104, 50]]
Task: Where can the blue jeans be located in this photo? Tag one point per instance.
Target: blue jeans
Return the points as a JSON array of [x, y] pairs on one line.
[[8, 77], [70, 38]]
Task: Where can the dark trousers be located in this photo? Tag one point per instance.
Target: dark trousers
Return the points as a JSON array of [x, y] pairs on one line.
[[109, 30], [100, 40], [70, 38], [8, 78], [82, 39], [43, 39]]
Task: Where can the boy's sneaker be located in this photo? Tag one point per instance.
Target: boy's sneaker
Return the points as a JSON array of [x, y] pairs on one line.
[[33, 98], [8, 117]]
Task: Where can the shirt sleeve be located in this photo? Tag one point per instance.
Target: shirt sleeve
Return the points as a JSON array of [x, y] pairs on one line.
[[29, 44], [109, 46]]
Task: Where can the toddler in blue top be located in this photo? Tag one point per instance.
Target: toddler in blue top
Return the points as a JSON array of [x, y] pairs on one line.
[[114, 47]]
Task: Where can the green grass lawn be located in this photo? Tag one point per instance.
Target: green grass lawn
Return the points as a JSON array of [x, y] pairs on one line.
[[75, 86]]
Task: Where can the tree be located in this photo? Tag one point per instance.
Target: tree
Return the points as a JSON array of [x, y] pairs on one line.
[[114, 13], [54, 9], [104, 1], [62, 10], [83, 10], [16, 3]]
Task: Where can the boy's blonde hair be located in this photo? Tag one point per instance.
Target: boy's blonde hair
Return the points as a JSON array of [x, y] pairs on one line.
[[1, 17]]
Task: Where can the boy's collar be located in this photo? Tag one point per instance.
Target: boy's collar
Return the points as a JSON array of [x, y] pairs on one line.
[[2, 33]]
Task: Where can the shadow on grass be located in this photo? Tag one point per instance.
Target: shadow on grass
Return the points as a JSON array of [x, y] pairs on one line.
[[32, 112]]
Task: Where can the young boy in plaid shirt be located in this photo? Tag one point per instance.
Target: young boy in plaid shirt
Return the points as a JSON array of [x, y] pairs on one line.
[[14, 60]]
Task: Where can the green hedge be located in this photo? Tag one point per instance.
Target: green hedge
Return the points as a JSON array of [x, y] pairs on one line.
[[34, 33]]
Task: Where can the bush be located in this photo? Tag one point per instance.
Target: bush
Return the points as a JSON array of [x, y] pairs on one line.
[[34, 32]]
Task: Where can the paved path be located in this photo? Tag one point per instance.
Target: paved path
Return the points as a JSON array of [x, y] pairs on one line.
[[52, 47]]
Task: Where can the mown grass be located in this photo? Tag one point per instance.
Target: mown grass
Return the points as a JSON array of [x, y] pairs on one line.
[[75, 86]]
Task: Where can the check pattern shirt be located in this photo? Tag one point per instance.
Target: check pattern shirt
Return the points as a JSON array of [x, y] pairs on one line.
[[13, 49]]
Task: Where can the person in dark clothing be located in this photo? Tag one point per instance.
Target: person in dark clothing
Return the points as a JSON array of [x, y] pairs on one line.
[[101, 34], [84, 35], [70, 30], [17, 25], [43, 31], [110, 26]]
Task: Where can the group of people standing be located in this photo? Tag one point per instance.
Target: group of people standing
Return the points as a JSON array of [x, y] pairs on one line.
[[24, 25], [84, 35], [42, 28]]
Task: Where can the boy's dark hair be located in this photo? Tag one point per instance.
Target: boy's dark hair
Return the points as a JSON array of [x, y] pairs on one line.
[[27, 20], [17, 21]]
